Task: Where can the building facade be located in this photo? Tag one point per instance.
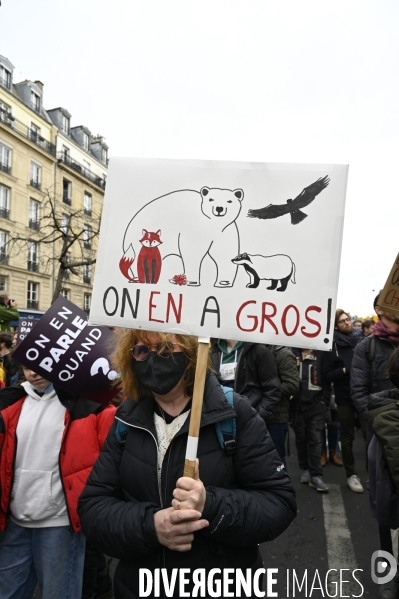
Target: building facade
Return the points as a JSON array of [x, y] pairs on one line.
[[52, 180]]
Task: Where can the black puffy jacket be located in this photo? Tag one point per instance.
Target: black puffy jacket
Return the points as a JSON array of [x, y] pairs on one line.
[[369, 373], [256, 377], [249, 503]]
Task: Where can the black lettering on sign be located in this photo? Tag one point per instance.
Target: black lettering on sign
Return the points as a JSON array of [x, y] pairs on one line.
[[107, 304], [126, 297], [215, 310]]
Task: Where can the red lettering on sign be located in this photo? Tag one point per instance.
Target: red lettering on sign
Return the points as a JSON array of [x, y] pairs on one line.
[[284, 320], [151, 306], [241, 308], [311, 321], [171, 304], [268, 317], [392, 301]]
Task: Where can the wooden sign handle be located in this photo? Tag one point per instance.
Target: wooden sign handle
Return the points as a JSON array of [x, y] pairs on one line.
[[196, 408]]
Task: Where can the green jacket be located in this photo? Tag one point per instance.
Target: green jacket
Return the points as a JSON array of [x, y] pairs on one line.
[[289, 378], [384, 417], [6, 316]]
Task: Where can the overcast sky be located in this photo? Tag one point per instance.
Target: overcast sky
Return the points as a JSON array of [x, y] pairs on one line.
[[252, 80]]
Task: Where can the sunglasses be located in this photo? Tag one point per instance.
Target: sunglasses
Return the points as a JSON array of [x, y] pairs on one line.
[[140, 352]]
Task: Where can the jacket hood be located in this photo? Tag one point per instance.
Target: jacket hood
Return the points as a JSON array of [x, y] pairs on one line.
[[377, 400], [77, 406], [215, 408], [222, 346], [32, 392]]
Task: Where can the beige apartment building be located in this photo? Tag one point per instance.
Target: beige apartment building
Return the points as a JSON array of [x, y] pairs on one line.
[[45, 163]]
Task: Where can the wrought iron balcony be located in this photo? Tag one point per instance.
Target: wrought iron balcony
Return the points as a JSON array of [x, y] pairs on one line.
[[87, 245], [3, 258], [6, 168], [34, 224], [33, 305], [10, 121], [65, 274], [35, 107], [33, 266], [87, 211], [35, 183], [66, 199], [82, 170], [87, 280], [5, 82], [4, 212]]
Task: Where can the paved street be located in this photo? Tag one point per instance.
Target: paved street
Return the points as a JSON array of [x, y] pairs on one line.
[[333, 530]]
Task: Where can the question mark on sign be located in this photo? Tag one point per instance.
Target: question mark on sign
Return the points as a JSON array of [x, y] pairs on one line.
[[103, 364]]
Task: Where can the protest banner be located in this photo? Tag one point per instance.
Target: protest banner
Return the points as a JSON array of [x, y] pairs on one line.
[[68, 352], [389, 296], [221, 249]]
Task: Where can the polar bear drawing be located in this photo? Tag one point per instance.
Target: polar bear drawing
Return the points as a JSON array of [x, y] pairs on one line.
[[275, 268], [193, 225]]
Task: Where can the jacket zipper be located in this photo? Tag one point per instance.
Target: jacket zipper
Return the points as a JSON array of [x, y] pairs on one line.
[[71, 529], [4, 424], [236, 373], [13, 471], [159, 484], [168, 452], [156, 443]]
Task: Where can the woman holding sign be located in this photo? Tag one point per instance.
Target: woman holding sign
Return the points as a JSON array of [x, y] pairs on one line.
[[162, 526]]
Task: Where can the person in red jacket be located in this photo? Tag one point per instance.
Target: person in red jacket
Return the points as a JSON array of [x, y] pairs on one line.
[[49, 441]]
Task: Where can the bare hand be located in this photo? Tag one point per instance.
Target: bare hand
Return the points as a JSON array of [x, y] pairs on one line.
[[175, 528], [190, 493]]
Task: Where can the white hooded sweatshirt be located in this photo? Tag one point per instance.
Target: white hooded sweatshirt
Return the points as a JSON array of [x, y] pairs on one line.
[[37, 496]]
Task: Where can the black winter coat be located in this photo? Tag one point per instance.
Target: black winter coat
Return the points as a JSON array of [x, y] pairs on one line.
[[256, 377], [333, 364], [249, 503], [370, 375]]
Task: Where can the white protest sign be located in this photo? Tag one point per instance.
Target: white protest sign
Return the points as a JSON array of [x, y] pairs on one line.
[[246, 251]]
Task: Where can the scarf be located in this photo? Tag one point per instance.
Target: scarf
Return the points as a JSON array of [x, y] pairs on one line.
[[351, 340], [381, 330]]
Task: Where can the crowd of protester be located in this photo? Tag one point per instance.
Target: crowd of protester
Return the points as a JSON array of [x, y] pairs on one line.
[[81, 481]]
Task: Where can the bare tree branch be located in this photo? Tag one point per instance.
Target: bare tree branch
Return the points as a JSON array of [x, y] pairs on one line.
[[68, 230]]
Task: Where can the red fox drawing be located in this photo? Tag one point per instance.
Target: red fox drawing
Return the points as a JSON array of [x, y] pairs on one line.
[[149, 260]]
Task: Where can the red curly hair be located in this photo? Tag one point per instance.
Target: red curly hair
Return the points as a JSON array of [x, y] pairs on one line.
[[122, 360]]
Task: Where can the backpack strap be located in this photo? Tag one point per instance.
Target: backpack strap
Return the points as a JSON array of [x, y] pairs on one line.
[[226, 430]]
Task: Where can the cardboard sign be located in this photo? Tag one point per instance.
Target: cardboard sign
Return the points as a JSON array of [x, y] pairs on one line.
[[65, 350], [220, 249], [389, 296]]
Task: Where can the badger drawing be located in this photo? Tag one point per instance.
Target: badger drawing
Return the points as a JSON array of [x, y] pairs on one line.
[[270, 268]]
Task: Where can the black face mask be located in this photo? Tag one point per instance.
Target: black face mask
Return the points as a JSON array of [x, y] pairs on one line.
[[159, 374]]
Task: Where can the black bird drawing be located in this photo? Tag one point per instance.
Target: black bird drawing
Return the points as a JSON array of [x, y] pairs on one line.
[[293, 206]]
